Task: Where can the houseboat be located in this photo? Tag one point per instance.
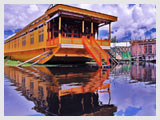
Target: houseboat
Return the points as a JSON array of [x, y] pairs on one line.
[[63, 34]]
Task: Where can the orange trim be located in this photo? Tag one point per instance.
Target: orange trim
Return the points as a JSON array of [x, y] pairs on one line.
[[92, 51], [103, 53]]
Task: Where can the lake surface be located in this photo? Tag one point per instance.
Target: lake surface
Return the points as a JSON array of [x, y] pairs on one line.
[[125, 90]]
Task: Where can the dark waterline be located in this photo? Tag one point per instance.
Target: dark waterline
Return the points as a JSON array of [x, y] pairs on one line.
[[126, 90]]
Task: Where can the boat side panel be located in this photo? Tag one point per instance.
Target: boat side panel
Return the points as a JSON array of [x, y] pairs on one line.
[[70, 54]]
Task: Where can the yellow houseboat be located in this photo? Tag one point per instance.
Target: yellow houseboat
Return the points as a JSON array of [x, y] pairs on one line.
[[63, 34]]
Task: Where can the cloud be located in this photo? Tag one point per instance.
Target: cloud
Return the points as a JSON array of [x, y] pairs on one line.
[[134, 96], [136, 19], [131, 18], [32, 9], [18, 16]]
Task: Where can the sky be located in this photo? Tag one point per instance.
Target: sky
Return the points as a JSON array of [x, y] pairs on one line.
[[135, 21]]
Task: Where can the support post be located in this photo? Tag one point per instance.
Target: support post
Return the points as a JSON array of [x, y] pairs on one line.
[[59, 35], [82, 27], [97, 33], [91, 28], [83, 31], [91, 32], [48, 26], [110, 31]]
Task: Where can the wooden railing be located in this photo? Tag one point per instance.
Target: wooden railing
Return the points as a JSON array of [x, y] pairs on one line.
[[103, 42], [52, 42], [73, 40]]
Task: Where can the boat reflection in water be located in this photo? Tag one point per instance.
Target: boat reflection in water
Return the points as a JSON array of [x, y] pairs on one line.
[[64, 90]]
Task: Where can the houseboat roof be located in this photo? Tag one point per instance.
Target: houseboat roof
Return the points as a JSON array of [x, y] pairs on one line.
[[143, 41], [121, 44], [68, 11], [80, 11]]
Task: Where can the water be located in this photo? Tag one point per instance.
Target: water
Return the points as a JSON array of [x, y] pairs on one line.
[[126, 90]]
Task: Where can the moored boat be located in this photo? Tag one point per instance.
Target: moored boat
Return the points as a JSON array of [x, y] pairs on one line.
[[63, 34]]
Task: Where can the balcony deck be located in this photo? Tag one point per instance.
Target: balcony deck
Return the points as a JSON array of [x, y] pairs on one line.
[[71, 42]]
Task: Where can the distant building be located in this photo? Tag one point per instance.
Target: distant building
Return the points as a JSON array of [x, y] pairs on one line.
[[121, 50], [144, 50]]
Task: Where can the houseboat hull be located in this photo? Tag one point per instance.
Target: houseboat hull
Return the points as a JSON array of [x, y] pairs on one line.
[[62, 56]]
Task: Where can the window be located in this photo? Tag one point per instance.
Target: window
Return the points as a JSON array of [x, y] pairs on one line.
[[56, 27], [23, 81], [32, 85], [23, 41], [12, 44], [15, 45], [40, 90], [41, 36], [32, 38], [55, 34], [149, 49], [69, 35], [18, 43], [76, 33], [70, 30], [145, 49]]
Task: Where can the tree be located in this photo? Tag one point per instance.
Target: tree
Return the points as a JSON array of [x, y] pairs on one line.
[[114, 39], [130, 39]]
